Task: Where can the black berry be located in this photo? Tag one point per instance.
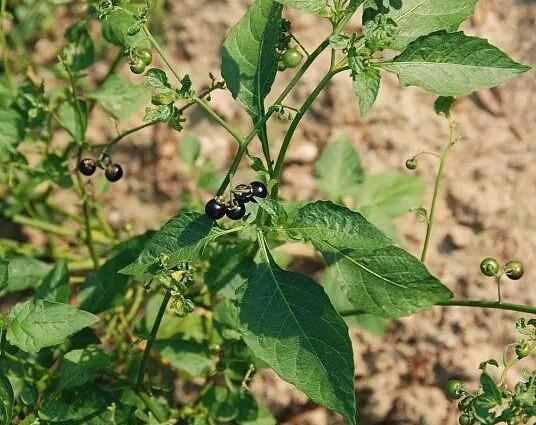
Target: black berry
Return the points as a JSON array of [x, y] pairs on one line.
[[236, 211], [87, 166], [113, 172], [214, 209], [243, 194], [259, 189]]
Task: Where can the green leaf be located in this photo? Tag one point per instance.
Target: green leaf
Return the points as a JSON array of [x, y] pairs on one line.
[[318, 7], [55, 285], [55, 169], [11, 128], [490, 389], [189, 356], [249, 59], [181, 239], [324, 221], [392, 194], [157, 78], [415, 18], [226, 320], [221, 403], [36, 324], [287, 321], [387, 282], [72, 121], [7, 400], [120, 97], [115, 30], [444, 104], [106, 288], [453, 64], [252, 413], [24, 273], [189, 148], [366, 86], [338, 168], [275, 209], [4, 273], [79, 52], [80, 366]]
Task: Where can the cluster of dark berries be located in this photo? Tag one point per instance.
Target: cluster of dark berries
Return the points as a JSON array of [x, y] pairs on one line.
[[112, 171], [235, 208]]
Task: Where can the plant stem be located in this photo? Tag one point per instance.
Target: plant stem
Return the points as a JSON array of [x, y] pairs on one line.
[[228, 127], [3, 46], [498, 280], [243, 149], [439, 175], [152, 337], [162, 53], [127, 133]]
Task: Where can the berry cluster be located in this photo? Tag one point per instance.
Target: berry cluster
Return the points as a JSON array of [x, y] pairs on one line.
[[289, 57], [513, 269], [235, 208], [112, 171], [139, 60]]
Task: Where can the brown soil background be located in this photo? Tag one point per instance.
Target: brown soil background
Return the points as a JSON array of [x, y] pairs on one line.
[[486, 205]]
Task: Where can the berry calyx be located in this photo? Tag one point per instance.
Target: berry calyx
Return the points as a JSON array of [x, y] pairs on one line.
[[104, 160], [454, 389], [490, 267], [243, 193], [137, 66], [215, 209], [259, 189], [292, 58], [113, 172], [522, 349], [514, 269], [411, 164], [281, 66], [236, 211], [146, 56], [87, 167]]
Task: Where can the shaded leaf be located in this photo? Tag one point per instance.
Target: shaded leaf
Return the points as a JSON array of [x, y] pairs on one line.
[[189, 356], [318, 7], [366, 86], [55, 285], [24, 273], [78, 367], [7, 400]]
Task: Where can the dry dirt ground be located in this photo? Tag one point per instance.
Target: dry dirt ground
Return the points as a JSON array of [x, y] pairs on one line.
[[486, 205]]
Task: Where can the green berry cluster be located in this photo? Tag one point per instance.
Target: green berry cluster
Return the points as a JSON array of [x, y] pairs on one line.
[[139, 60], [513, 269]]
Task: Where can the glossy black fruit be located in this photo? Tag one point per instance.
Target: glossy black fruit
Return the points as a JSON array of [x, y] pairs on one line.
[[87, 166], [214, 209], [243, 193], [236, 211], [259, 189], [113, 172], [514, 270]]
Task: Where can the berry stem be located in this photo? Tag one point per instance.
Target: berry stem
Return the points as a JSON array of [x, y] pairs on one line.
[[213, 114], [162, 53], [498, 280], [152, 337], [437, 184]]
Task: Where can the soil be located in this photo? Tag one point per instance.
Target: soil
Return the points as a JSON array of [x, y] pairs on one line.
[[486, 205]]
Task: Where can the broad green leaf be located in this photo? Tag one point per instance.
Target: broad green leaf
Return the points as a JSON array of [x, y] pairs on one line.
[[80, 366], [11, 128], [55, 285], [249, 59], [74, 120], [257, 415], [4, 273], [36, 324], [324, 221], [287, 321], [24, 273], [226, 320], [105, 288], [120, 97], [221, 403], [189, 356], [366, 86], [189, 148], [182, 239], [387, 282], [338, 168], [318, 7], [115, 30], [275, 209], [157, 78], [7, 400], [453, 64], [415, 18], [54, 168], [79, 52], [339, 299], [392, 194], [489, 387]]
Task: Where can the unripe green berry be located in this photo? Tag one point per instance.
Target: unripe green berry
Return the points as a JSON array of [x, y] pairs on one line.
[[411, 164], [514, 269], [490, 267], [454, 389]]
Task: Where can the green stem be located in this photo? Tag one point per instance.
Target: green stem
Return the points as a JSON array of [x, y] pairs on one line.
[[263, 137], [161, 52], [3, 46], [498, 280], [42, 225], [243, 149], [152, 337], [213, 114], [127, 133], [439, 175]]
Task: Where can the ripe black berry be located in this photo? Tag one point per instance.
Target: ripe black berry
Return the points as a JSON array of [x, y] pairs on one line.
[[214, 209], [113, 172], [87, 166], [259, 189], [243, 193], [236, 211]]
